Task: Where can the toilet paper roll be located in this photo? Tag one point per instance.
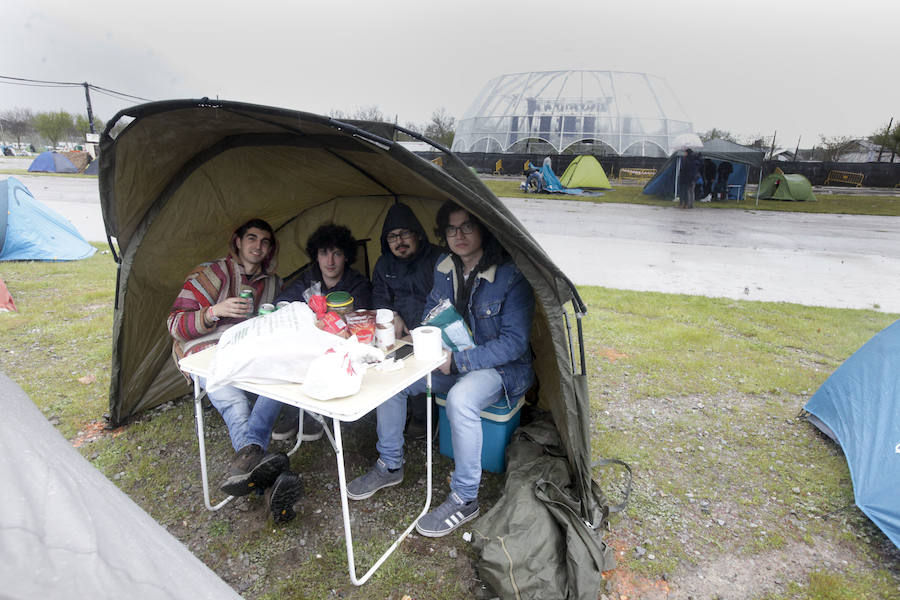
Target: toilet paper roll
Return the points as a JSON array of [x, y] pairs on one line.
[[427, 342]]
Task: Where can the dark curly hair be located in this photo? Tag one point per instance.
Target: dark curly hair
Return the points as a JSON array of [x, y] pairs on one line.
[[331, 235], [493, 252]]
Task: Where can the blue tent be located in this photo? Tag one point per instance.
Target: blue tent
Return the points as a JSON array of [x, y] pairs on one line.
[[859, 407], [31, 231], [52, 162], [93, 168], [663, 184]]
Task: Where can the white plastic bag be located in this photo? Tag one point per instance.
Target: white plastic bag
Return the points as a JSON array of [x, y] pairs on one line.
[[273, 348], [339, 372]]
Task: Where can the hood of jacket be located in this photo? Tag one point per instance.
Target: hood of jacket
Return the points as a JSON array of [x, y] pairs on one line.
[[400, 216]]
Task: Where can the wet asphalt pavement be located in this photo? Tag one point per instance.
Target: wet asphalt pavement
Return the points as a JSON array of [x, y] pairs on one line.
[[843, 261]]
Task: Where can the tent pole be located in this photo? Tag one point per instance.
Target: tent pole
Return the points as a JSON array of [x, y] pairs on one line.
[[758, 184]]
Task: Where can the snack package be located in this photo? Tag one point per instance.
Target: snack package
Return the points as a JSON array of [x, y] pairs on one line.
[[326, 319], [313, 290], [361, 323], [455, 334]]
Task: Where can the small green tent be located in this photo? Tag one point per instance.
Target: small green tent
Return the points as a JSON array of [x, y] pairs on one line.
[[782, 186], [585, 172]]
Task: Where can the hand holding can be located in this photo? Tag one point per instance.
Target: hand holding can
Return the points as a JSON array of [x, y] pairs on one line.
[[247, 296]]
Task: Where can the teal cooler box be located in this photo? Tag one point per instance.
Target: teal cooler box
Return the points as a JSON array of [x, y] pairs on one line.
[[498, 422]]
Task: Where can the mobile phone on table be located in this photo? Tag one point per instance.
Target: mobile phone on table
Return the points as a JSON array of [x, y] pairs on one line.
[[401, 352]]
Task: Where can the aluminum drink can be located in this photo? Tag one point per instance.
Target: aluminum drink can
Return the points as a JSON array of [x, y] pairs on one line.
[[247, 294], [281, 304], [266, 309]]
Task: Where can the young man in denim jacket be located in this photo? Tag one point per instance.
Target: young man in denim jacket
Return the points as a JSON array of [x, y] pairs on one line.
[[497, 303]]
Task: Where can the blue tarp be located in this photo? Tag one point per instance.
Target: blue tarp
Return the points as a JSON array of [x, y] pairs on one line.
[[31, 231], [551, 183], [859, 406], [52, 162]]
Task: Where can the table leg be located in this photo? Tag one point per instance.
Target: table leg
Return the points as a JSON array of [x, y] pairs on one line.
[[201, 439], [345, 509]]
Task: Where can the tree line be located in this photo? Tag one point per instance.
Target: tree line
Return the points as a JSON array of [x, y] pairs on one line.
[[441, 128], [828, 148], [24, 125], [28, 127]]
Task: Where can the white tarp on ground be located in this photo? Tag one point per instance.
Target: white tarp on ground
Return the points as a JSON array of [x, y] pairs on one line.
[[67, 532]]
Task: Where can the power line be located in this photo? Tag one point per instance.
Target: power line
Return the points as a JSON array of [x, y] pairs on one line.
[[102, 90], [42, 83], [30, 81]]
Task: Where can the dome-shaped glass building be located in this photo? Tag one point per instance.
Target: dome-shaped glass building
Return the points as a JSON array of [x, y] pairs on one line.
[[598, 112]]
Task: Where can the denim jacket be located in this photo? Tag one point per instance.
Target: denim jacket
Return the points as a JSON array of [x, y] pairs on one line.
[[500, 308]]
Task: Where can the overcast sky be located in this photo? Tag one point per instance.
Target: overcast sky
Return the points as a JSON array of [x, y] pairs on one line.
[[801, 67]]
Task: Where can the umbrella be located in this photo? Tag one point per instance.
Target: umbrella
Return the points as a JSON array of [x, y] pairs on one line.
[[684, 141]]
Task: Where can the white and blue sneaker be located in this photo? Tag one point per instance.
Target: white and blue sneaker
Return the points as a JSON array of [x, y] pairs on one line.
[[447, 517]]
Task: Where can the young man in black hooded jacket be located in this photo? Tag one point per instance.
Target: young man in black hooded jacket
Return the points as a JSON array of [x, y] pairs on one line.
[[401, 280]]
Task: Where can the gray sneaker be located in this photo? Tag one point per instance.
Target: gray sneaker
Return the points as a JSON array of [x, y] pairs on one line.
[[447, 517], [377, 478]]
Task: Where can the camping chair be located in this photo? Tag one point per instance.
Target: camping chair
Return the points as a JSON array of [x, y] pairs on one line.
[[498, 167]]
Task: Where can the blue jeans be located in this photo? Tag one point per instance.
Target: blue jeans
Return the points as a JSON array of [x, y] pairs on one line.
[[467, 395], [245, 425]]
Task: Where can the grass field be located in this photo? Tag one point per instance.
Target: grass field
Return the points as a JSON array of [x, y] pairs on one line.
[[849, 204], [734, 495]]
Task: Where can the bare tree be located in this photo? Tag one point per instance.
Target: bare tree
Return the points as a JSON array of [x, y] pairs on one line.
[[835, 146], [442, 127], [17, 122], [720, 134], [362, 113], [888, 139]]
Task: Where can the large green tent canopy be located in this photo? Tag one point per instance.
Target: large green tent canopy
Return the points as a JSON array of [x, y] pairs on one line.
[[183, 174]]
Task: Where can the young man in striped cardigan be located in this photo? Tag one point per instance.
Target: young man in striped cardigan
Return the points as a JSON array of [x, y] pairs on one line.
[[208, 304]]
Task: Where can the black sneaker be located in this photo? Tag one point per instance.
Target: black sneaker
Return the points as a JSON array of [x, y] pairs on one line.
[[282, 496], [252, 470], [288, 425]]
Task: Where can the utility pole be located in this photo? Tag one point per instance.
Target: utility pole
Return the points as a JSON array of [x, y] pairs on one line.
[[772, 151], [90, 113], [887, 132], [797, 149]]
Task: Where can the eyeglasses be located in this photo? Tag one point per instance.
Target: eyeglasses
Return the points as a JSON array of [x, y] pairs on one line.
[[466, 228], [393, 237]]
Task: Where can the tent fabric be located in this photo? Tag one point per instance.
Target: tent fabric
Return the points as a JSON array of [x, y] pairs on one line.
[[93, 168], [52, 162], [31, 231], [860, 405], [552, 184], [663, 184], [183, 174], [782, 186], [67, 532], [585, 171]]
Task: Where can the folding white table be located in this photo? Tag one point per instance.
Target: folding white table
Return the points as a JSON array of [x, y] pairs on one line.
[[377, 387]]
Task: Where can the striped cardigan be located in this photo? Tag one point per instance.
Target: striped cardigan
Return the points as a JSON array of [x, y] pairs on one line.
[[209, 284]]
